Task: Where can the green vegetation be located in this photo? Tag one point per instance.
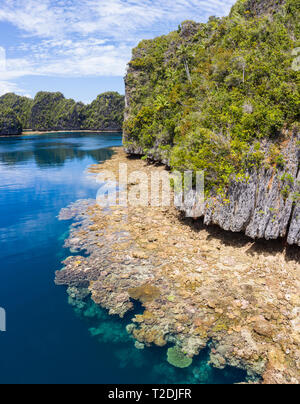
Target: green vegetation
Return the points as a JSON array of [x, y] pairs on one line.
[[14, 113], [106, 112], [9, 122], [52, 111], [287, 181], [210, 93]]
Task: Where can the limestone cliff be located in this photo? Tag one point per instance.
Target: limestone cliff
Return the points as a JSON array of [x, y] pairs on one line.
[[52, 111], [223, 97], [264, 205], [258, 7]]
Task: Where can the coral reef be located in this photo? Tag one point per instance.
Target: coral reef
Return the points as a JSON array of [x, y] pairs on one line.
[[216, 288], [144, 293]]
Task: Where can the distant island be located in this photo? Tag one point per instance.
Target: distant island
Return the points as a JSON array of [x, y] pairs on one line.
[[53, 112]]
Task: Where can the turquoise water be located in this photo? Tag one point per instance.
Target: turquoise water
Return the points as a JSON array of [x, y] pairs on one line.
[[47, 339]]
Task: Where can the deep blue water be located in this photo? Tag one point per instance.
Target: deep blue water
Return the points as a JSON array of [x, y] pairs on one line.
[[46, 340]]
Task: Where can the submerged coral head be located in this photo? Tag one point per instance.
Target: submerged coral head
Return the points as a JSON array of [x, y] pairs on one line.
[[144, 293], [177, 358]]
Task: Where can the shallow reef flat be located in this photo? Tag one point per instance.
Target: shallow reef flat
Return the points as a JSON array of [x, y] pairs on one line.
[[199, 286]]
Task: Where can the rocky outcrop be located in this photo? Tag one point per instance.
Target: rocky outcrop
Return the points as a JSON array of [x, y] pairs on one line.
[[21, 107], [170, 117], [105, 112], [266, 204], [258, 7]]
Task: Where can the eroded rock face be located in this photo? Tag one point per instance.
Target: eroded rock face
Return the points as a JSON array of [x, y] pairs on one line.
[[197, 284], [258, 206], [265, 204], [259, 8]]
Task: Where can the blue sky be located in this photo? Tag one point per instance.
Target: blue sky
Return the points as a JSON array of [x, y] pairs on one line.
[[82, 47]]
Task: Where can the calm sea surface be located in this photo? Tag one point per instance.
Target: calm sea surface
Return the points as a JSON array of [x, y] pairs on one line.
[[46, 340]]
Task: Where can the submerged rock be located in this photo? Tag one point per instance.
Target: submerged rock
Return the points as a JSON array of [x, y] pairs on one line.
[[139, 345], [144, 293], [178, 359]]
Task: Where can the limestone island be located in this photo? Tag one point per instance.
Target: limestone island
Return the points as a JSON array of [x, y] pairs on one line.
[[52, 112]]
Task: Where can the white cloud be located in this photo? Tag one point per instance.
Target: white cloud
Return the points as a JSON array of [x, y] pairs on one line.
[[111, 18], [2, 59], [10, 87], [91, 37]]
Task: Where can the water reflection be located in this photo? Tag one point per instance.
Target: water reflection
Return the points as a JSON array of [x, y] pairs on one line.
[[45, 341], [52, 151]]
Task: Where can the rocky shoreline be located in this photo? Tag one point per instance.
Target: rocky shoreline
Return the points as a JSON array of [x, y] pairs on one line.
[[264, 204], [199, 286]]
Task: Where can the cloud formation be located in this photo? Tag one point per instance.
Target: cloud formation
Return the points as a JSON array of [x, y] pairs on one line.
[[71, 38]]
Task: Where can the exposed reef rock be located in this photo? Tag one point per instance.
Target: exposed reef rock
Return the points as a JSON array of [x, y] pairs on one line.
[[199, 286], [259, 7], [177, 358]]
